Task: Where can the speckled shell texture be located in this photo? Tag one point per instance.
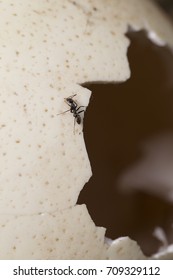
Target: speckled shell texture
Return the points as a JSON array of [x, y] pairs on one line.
[[48, 48]]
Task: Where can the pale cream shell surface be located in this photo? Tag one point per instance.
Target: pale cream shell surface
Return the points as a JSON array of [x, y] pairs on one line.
[[48, 49]]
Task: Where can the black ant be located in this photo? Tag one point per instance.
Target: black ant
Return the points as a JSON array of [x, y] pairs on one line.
[[74, 109]]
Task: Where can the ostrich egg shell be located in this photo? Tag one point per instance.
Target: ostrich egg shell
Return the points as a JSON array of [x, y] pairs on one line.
[[48, 49]]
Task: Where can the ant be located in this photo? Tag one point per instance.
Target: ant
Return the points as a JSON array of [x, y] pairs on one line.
[[74, 109]]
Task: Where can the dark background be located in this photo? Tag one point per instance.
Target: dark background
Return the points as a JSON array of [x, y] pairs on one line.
[[119, 118], [137, 109], [167, 5]]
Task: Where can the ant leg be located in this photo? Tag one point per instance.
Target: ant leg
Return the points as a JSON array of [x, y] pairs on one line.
[[79, 108], [63, 112], [81, 111], [74, 126], [71, 96]]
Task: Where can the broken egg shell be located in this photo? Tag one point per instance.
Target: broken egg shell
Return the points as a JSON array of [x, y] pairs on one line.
[[49, 48]]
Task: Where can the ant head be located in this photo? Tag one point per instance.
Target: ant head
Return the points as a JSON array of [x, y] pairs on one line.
[[69, 100]]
